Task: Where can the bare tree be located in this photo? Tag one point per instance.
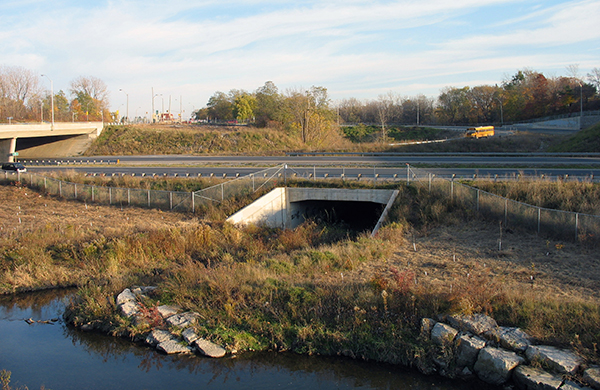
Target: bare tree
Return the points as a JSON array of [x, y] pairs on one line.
[[18, 85], [594, 78]]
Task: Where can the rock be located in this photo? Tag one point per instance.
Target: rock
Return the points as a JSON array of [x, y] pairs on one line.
[[209, 349], [592, 377], [125, 296], [427, 325], [570, 385], [87, 327], [494, 365], [442, 333], [476, 323], [513, 338], [173, 346], [466, 373], [530, 378], [558, 360], [467, 350], [183, 320], [129, 308], [158, 336], [144, 290], [189, 335], [167, 311]]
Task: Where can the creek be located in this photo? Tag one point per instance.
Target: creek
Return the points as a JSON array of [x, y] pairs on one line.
[[56, 356]]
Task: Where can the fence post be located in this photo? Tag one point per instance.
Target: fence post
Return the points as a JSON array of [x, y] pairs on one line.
[[429, 176], [253, 182], [452, 187], [505, 211], [75, 190], [92, 194], [478, 200], [539, 220], [407, 173], [45, 185], [193, 202], [128, 196], [148, 198], [109, 195], [170, 199], [60, 188], [576, 226], [222, 193]]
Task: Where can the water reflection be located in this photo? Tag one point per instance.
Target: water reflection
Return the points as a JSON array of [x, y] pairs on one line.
[[58, 356]]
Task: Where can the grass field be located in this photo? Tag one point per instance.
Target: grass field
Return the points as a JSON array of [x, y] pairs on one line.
[[311, 290]]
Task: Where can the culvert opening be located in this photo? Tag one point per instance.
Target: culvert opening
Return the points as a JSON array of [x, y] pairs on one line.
[[356, 217], [287, 208]]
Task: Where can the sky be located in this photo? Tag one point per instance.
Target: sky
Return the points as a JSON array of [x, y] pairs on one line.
[[185, 50]]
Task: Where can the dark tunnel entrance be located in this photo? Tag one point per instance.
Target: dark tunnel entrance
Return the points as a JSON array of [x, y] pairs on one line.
[[353, 216]]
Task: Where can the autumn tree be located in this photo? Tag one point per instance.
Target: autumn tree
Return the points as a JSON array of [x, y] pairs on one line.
[[308, 113], [453, 105], [91, 94]]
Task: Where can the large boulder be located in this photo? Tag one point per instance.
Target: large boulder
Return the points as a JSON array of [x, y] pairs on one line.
[[125, 296], [209, 349], [476, 323], [494, 365], [183, 320], [592, 377], [530, 378], [167, 311], [158, 336], [513, 338], [129, 308], [561, 361], [442, 334], [173, 346], [468, 348]]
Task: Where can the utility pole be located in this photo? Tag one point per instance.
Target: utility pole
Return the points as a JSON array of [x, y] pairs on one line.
[[51, 99]]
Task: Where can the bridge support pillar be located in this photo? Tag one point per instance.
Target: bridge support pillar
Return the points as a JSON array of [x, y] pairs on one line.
[[7, 148]]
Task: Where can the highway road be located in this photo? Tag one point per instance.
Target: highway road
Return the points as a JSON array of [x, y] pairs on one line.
[[503, 166]]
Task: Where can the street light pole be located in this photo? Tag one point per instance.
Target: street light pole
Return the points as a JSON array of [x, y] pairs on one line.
[[580, 106], [51, 99], [126, 94]]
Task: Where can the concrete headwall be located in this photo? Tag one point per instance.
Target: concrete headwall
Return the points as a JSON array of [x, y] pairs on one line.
[[286, 207], [270, 210]]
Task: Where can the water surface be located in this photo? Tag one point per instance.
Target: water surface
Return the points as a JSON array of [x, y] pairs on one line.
[[57, 356]]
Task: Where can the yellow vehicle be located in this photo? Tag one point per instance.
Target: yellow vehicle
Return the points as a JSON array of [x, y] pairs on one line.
[[480, 132]]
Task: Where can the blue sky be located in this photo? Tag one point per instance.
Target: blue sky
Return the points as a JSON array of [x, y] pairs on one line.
[[188, 49]]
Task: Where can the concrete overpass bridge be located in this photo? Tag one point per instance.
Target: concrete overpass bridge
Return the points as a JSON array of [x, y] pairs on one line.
[[61, 139]]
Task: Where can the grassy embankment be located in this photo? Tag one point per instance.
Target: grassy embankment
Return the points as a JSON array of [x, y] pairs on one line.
[[311, 290], [133, 140]]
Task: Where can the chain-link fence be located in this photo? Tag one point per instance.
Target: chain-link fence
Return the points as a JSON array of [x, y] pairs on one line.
[[164, 200], [547, 222]]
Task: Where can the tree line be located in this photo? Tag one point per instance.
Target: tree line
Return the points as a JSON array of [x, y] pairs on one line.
[[525, 95], [25, 97]]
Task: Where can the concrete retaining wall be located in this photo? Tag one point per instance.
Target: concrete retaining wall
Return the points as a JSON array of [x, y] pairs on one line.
[[285, 207]]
